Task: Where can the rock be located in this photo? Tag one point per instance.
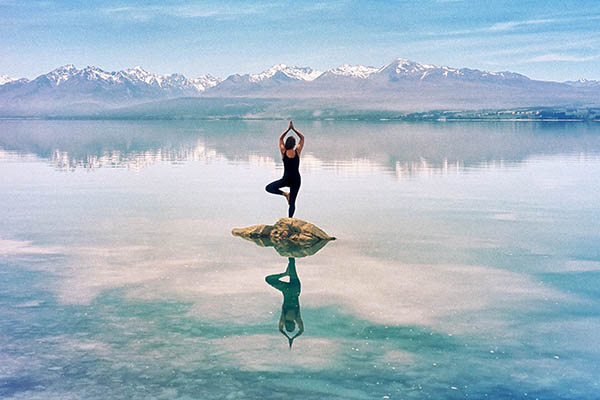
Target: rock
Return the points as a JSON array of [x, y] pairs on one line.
[[293, 230], [291, 237]]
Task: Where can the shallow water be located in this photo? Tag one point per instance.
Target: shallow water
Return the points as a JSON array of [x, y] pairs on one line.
[[467, 263]]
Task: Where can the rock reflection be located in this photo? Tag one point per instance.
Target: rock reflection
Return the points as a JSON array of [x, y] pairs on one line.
[[288, 249], [290, 310]]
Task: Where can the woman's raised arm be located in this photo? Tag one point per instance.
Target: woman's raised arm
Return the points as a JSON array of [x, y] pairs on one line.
[[300, 135], [281, 145]]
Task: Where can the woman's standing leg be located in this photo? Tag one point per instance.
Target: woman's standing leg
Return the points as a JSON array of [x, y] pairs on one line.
[[291, 271], [293, 194]]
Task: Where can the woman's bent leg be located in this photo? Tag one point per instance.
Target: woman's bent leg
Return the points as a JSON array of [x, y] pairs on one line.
[[274, 281], [273, 187]]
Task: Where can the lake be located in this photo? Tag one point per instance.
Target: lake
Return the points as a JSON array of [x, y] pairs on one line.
[[466, 265]]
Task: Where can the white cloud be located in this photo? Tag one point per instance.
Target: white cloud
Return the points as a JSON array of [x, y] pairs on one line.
[[118, 9], [184, 11], [261, 352], [510, 25], [325, 6], [19, 248], [543, 45], [562, 57]]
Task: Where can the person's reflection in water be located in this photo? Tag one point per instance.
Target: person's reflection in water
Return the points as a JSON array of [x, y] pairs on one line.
[[290, 311]]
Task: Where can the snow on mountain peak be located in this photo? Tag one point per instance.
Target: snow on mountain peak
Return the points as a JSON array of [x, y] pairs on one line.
[[354, 71], [402, 61], [94, 73], [61, 74], [204, 82], [66, 67], [403, 66], [137, 72], [584, 83], [5, 79], [299, 73], [135, 75]]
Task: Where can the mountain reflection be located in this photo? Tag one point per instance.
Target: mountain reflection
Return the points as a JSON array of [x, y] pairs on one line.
[[291, 318], [62, 160], [404, 150]]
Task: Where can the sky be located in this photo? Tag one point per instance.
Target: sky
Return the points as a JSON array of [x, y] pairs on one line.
[[543, 39]]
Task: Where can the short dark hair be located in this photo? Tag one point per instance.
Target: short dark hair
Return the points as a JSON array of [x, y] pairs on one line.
[[290, 142]]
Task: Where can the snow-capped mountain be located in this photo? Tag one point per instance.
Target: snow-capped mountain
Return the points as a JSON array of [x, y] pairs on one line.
[[60, 74], [136, 76], [359, 81], [400, 84], [352, 71], [280, 80], [299, 73], [205, 81], [7, 79], [278, 76], [584, 83], [402, 68], [169, 82], [94, 88]]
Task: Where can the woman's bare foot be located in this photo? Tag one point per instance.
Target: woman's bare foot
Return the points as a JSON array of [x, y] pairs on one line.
[[287, 196]]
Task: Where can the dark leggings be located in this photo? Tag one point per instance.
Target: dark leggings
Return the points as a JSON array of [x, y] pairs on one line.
[[289, 289], [293, 184]]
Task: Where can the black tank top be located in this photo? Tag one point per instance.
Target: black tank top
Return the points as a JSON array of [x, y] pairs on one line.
[[290, 165]]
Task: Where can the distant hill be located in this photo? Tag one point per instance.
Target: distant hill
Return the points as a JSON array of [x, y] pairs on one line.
[[400, 86]]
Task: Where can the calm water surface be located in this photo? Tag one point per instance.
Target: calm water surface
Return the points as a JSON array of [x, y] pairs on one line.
[[467, 263]]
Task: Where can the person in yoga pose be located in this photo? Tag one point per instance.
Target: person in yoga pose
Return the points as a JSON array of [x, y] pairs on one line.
[[291, 162], [290, 310]]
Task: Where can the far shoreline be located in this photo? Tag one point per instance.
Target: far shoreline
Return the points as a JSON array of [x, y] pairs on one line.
[[400, 119]]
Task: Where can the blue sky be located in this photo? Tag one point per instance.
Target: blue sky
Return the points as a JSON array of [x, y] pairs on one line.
[[552, 40]]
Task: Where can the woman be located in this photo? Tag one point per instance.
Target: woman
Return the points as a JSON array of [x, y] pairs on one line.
[[290, 310], [291, 162]]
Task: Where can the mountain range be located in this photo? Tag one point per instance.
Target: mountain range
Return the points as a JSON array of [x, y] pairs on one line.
[[401, 85]]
